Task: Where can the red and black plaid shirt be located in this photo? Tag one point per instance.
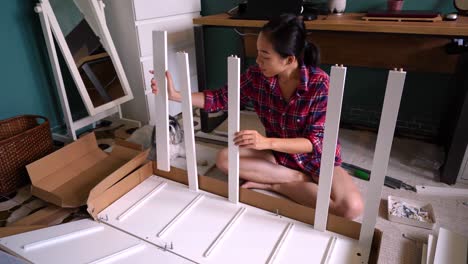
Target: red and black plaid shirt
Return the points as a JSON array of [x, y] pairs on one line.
[[302, 117]]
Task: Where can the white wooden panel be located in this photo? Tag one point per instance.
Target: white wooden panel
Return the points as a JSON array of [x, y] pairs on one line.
[[149, 219], [451, 248], [391, 105], [463, 173], [327, 164], [179, 32], [252, 237], [62, 43], [279, 244], [147, 9], [161, 113], [329, 251], [233, 126], [140, 202], [85, 241], [234, 220], [431, 247], [177, 218], [56, 70], [203, 226], [253, 241], [446, 192], [147, 65], [424, 254], [187, 114]]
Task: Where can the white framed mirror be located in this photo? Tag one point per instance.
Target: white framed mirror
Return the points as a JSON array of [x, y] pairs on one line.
[[89, 53]]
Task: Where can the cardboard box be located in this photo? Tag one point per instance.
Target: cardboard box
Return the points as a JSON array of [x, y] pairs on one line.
[[81, 170], [403, 219]]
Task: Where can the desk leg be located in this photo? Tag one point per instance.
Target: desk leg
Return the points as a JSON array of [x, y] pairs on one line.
[[459, 140], [207, 123]]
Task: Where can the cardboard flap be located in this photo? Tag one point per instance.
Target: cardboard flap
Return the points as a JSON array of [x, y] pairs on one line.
[[117, 175], [46, 196], [74, 192], [61, 158], [124, 152], [102, 200], [128, 144], [67, 177], [72, 170], [51, 215]]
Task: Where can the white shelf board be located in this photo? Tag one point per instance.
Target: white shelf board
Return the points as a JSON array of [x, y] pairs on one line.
[[251, 239], [85, 241]]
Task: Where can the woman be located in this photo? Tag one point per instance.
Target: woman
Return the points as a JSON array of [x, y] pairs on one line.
[[289, 93]]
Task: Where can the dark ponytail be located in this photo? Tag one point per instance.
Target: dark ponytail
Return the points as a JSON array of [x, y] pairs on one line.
[[311, 54], [289, 38]]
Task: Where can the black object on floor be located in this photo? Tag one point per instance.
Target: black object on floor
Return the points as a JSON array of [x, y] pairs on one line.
[[131, 130], [364, 174], [103, 146]]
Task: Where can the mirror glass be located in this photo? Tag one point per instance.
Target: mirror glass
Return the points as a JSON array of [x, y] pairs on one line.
[[92, 59]]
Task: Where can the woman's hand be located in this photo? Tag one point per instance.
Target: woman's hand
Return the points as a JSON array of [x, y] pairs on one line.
[[251, 139], [172, 93]]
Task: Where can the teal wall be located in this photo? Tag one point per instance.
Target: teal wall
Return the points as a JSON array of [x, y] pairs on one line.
[[67, 14], [26, 81], [28, 86], [425, 99]]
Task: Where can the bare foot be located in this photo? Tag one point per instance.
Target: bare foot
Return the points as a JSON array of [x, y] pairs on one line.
[[256, 185]]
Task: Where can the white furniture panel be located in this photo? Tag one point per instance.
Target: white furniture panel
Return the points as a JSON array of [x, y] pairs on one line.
[[233, 64], [179, 32], [240, 233], [131, 23], [451, 248], [327, 165], [85, 241], [147, 64], [147, 9]]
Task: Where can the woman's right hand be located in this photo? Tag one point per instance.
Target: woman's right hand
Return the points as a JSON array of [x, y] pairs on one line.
[[172, 93]]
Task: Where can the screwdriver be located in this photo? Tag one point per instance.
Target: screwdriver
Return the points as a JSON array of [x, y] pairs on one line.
[[364, 174]]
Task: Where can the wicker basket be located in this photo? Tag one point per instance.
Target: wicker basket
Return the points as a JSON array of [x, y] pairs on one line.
[[23, 140]]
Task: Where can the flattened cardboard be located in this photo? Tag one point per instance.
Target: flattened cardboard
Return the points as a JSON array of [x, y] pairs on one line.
[[98, 203], [80, 170], [285, 207], [14, 230], [51, 215]]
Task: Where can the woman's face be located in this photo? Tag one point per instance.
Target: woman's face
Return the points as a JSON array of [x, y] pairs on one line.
[[269, 61]]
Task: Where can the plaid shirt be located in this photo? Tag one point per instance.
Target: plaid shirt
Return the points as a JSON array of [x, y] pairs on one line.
[[302, 117]]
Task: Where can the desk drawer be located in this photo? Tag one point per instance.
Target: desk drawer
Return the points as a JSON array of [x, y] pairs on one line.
[[147, 9], [179, 32]]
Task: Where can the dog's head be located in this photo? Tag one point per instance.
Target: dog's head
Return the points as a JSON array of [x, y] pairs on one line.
[[176, 133]]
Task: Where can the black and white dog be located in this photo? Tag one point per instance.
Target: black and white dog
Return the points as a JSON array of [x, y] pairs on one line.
[[176, 140]]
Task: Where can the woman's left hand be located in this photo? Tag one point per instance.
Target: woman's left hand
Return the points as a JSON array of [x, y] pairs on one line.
[[251, 139]]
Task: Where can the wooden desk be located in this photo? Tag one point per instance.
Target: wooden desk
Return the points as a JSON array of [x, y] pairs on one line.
[[352, 22], [349, 40]]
